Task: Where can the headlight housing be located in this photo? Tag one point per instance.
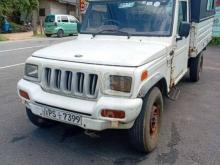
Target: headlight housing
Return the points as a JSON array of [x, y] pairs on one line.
[[31, 71], [120, 83]]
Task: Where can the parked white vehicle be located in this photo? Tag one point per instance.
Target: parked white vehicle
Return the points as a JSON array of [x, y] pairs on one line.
[[114, 75]]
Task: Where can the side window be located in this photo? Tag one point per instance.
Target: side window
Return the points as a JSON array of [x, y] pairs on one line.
[[58, 19], [210, 5], [64, 19], [182, 16], [72, 20]]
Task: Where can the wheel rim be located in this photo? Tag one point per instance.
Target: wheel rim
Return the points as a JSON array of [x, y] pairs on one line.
[[154, 121]]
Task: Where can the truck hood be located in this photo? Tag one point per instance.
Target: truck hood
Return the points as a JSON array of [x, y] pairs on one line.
[[123, 52]]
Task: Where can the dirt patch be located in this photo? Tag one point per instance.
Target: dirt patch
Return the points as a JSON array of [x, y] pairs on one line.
[[18, 36]]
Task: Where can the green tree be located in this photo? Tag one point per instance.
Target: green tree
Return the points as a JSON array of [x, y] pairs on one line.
[[6, 7], [27, 6], [30, 7]]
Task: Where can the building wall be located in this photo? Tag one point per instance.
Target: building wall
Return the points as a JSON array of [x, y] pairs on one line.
[[45, 4], [72, 10], [54, 7], [58, 8]]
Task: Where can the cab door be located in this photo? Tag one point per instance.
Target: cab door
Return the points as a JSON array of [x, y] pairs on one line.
[[180, 58], [65, 24], [73, 25]]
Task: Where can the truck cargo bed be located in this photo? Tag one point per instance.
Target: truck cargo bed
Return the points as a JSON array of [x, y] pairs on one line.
[[201, 35]]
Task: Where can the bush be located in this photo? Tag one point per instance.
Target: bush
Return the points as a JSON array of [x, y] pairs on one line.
[[215, 41], [18, 28]]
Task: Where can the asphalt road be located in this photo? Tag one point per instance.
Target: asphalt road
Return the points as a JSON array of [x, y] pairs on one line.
[[190, 132]]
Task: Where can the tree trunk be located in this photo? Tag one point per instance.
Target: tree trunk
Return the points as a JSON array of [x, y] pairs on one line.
[[34, 21]]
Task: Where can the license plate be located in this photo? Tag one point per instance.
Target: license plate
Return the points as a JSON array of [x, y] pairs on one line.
[[63, 116]]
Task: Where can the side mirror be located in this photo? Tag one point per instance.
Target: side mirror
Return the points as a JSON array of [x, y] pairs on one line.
[[184, 29], [79, 26]]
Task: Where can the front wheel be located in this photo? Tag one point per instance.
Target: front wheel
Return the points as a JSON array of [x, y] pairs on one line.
[[39, 121], [60, 33], [145, 132]]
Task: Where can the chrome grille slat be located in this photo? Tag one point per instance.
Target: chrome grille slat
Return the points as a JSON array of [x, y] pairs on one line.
[[86, 84], [70, 83], [52, 82], [63, 80], [74, 83]]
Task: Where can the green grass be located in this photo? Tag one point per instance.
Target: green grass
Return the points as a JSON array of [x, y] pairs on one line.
[[215, 41], [2, 38]]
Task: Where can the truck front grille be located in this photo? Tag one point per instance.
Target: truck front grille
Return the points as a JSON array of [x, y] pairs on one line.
[[71, 83]]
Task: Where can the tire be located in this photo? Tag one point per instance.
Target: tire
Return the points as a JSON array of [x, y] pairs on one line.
[[195, 69], [48, 35], [39, 121], [60, 33], [145, 132]]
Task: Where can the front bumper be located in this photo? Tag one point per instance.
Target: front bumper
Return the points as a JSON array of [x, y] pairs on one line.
[[93, 120]]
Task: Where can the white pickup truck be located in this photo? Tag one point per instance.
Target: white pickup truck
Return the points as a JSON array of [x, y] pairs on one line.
[[128, 56]]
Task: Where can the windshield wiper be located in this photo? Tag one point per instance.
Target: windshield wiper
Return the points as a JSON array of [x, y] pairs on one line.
[[112, 30]]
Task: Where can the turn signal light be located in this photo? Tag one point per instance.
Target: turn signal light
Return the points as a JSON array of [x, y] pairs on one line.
[[24, 94], [113, 113], [144, 75]]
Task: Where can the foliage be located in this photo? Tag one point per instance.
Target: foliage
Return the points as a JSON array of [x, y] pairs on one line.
[[27, 6], [215, 41], [18, 28], [6, 7], [9, 7]]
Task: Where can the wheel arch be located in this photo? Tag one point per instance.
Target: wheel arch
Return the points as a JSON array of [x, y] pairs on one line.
[[162, 85], [156, 81], [60, 28], [192, 58]]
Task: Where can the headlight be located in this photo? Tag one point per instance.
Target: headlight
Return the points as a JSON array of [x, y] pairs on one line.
[[120, 83], [31, 70]]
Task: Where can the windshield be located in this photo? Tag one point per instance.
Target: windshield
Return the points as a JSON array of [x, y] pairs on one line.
[[50, 18], [137, 17]]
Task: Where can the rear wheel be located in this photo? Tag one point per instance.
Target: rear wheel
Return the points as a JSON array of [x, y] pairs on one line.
[[60, 33], [48, 35], [196, 65], [39, 121], [145, 132]]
